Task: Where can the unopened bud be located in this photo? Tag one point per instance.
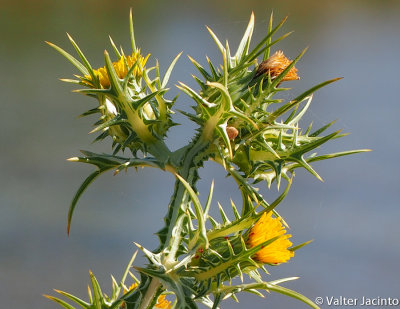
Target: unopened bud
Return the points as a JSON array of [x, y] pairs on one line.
[[232, 132]]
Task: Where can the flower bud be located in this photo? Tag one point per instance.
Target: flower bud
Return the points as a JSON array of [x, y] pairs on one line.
[[232, 132]]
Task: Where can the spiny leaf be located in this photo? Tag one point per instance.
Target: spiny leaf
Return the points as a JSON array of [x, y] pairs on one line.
[[60, 302], [79, 301], [320, 130], [98, 299], [129, 75], [201, 69], [267, 51], [82, 56], [297, 118], [139, 103], [245, 42], [299, 246], [217, 41], [78, 194], [291, 293], [132, 33], [113, 77], [169, 71], [213, 70], [209, 199], [265, 40], [202, 232], [70, 58], [298, 99], [117, 120], [116, 51], [225, 219]]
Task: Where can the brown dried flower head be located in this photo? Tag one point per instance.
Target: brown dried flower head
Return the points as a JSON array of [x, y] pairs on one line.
[[275, 65]]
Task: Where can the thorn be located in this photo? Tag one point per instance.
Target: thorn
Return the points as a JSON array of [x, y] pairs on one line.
[[73, 159]]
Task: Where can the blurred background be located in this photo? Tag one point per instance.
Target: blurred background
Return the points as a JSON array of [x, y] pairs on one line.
[[352, 217]]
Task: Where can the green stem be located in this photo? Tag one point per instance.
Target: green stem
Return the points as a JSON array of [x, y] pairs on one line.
[[151, 293], [180, 198], [160, 151]]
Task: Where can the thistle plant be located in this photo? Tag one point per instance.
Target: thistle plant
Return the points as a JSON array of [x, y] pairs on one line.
[[241, 125]]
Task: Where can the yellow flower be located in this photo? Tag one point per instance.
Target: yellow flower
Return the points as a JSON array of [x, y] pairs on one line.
[[266, 228], [121, 67], [275, 65], [163, 303], [132, 287]]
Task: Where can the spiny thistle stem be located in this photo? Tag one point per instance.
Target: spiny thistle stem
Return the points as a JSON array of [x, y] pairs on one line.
[[151, 293], [180, 199]]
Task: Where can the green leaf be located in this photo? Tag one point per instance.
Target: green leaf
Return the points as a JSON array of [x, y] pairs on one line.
[[114, 79], [90, 112], [169, 71], [98, 299], [70, 58], [300, 114], [116, 51], [117, 120], [252, 54], [83, 58], [315, 88], [268, 50], [79, 301], [202, 231], [298, 99], [201, 69], [132, 33], [129, 75], [209, 200], [213, 70], [319, 131], [127, 269], [268, 45], [221, 129], [245, 42], [139, 103], [60, 302], [299, 246], [217, 300], [291, 293], [78, 194], [217, 41]]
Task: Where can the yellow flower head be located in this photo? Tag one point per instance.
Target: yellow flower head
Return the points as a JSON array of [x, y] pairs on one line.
[[132, 287], [121, 67], [266, 228], [163, 303], [275, 65]]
